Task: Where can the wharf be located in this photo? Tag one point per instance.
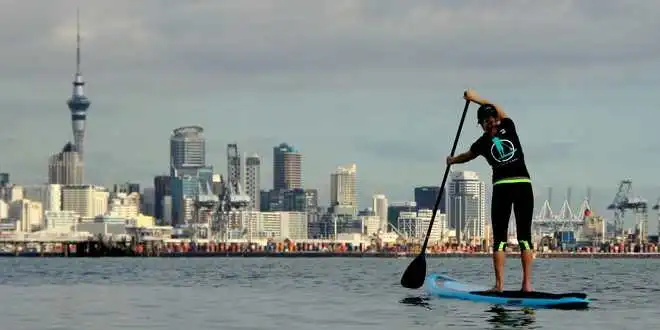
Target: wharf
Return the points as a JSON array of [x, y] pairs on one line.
[[315, 254]]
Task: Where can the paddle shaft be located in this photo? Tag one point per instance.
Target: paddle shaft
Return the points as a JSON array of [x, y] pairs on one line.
[[444, 179]]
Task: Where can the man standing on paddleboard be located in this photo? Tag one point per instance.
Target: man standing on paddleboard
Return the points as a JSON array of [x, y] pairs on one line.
[[511, 185]]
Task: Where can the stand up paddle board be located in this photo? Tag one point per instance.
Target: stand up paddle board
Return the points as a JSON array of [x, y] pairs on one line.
[[447, 287]]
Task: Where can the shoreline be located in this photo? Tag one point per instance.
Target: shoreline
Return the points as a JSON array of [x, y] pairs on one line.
[[384, 255]]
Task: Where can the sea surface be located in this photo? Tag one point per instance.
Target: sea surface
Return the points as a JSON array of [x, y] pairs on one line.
[[315, 293]]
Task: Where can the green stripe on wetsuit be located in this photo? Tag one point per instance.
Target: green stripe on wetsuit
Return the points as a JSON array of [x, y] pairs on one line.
[[520, 180]]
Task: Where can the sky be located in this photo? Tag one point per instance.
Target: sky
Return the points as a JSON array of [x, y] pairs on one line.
[[374, 82]]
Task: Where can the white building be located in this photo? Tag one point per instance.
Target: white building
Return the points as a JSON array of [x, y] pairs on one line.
[[416, 224], [343, 187], [371, 224], [466, 198], [86, 200], [291, 225], [380, 208], [62, 221], [49, 195], [4, 209], [124, 205], [28, 214]]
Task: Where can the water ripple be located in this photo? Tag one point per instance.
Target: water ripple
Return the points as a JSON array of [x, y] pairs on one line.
[[333, 293]]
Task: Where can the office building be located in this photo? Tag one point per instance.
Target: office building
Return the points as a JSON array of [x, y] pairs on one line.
[[187, 150], [66, 167], [253, 181], [466, 196], [162, 189], [49, 195], [343, 187], [87, 201], [287, 168], [28, 215], [426, 196], [379, 206]]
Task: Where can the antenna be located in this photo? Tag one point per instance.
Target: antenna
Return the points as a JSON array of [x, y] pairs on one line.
[[78, 41]]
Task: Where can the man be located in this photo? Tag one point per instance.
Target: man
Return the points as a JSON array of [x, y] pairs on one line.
[[511, 185]]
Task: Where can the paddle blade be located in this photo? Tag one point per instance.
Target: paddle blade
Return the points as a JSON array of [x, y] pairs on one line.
[[413, 277]]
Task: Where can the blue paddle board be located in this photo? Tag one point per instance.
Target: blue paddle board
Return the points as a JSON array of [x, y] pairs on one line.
[[446, 287]]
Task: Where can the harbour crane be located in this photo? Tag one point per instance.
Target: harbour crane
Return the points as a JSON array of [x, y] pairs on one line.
[[656, 207], [231, 195], [622, 202]]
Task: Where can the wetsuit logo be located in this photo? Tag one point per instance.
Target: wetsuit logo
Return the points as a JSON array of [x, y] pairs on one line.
[[502, 150]]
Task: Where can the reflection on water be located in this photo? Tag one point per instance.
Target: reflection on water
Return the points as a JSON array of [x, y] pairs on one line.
[[417, 301], [502, 318]]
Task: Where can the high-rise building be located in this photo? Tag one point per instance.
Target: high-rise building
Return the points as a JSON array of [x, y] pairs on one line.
[[253, 181], [343, 186], [126, 187], [162, 188], [466, 197], [29, 215], [86, 200], [4, 179], [426, 196], [187, 191], [66, 167], [78, 103], [394, 210], [287, 168], [187, 150], [49, 195], [380, 209]]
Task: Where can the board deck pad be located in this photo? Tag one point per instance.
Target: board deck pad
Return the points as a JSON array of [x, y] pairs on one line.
[[446, 287]]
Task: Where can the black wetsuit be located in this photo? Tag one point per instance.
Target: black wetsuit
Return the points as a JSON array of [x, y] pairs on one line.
[[511, 184]]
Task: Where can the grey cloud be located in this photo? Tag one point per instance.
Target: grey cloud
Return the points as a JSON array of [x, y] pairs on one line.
[[311, 37]]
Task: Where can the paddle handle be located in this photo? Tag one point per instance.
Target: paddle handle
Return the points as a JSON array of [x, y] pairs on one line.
[[444, 178]]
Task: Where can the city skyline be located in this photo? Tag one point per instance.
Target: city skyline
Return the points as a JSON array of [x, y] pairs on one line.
[[319, 108]]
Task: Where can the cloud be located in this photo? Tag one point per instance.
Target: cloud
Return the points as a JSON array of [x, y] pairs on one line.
[[380, 78], [266, 39]]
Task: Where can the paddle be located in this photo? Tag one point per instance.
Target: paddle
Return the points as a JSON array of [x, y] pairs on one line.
[[413, 277]]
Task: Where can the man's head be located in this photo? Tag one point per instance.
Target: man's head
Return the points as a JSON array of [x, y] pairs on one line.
[[488, 118]]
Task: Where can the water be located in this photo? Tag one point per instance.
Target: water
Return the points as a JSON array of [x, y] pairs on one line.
[[323, 293]]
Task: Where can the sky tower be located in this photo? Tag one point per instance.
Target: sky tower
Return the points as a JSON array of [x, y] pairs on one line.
[[78, 103]]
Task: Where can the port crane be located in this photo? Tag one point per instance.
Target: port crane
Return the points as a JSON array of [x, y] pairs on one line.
[[231, 196], [622, 202], [656, 207]]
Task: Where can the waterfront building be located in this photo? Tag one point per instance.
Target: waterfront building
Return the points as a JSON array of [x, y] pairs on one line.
[[88, 201], [466, 195]]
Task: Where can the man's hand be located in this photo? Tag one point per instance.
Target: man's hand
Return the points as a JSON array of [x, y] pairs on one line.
[[450, 160]]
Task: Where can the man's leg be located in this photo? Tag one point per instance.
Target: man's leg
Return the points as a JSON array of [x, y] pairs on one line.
[[523, 209], [500, 212]]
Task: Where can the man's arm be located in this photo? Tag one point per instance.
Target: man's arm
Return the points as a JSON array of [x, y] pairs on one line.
[[464, 157], [474, 97]]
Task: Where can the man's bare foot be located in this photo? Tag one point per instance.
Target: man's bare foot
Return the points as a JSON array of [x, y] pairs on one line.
[[495, 289], [526, 288]]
